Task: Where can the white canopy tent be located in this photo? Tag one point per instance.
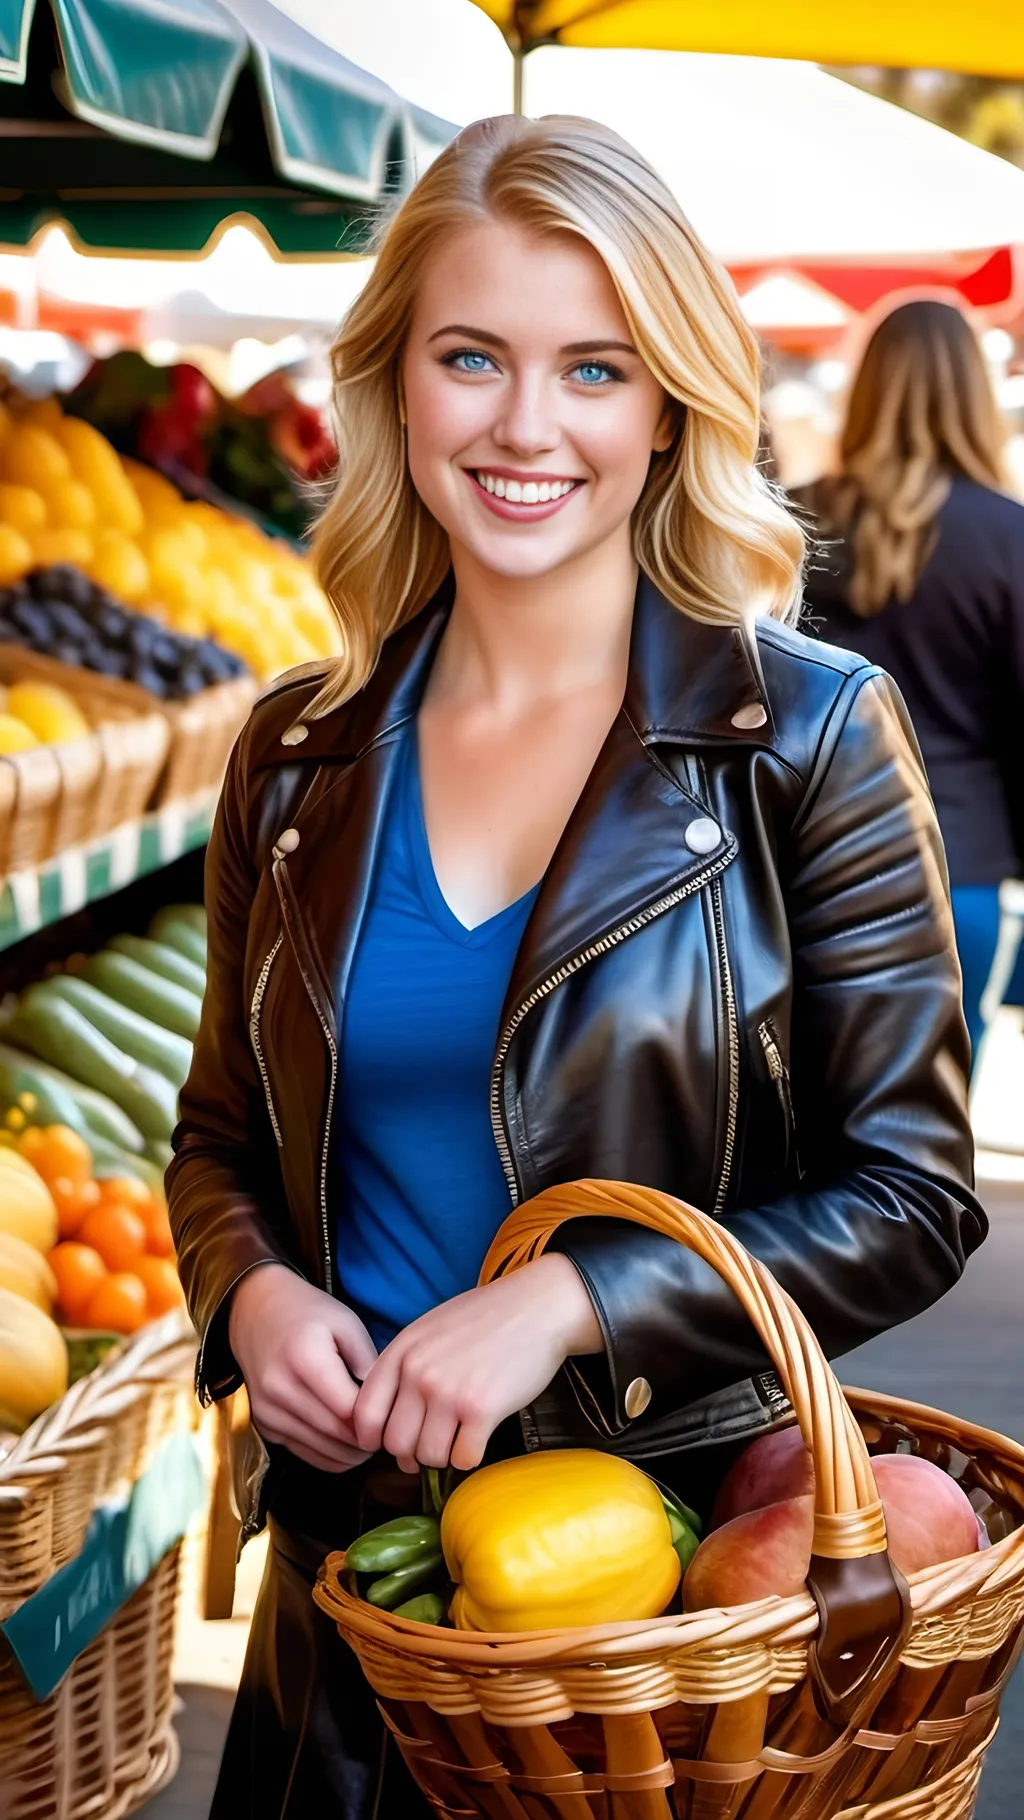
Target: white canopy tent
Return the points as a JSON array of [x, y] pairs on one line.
[[778, 161]]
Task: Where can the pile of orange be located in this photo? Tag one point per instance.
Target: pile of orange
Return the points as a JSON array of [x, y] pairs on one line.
[[114, 1263]]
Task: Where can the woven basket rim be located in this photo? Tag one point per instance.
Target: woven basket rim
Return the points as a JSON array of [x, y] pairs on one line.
[[792, 1620]]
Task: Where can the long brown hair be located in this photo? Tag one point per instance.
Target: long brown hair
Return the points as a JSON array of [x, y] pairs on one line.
[[708, 528], [922, 411]]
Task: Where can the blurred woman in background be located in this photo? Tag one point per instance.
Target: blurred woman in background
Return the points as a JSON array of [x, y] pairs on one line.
[[922, 572]]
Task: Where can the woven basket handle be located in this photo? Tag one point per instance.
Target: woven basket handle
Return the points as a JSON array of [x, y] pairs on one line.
[[863, 1602]]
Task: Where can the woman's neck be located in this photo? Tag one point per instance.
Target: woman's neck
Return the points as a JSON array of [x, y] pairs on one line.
[[513, 643]]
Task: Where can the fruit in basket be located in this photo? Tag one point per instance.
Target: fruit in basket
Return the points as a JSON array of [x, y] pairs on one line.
[[14, 735], [565, 1537], [119, 564], [775, 1466], [26, 1205], [33, 1362], [766, 1551], [32, 457], [25, 1272], [48, 712], [22, 508]]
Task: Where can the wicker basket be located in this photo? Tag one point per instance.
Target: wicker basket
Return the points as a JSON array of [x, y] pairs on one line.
[[880, 1709], [103, 1742], [55, 797]]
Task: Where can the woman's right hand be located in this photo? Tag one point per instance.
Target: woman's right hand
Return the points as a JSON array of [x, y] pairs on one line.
[[303, 1356]]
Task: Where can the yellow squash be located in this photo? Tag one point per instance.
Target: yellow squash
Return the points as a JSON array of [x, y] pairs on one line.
[[25, 1272], [26, 1205], [557, 1539], [33, 1362]]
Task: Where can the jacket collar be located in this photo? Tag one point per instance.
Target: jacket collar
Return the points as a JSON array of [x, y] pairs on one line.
[[688, 682]]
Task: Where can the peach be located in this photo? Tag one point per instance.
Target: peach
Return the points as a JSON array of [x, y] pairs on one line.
[[757, 1555], [767, 1551], [774, 1467], [927, 1516]]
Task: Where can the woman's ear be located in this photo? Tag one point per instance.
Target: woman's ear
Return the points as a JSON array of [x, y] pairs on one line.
[[669, 423]]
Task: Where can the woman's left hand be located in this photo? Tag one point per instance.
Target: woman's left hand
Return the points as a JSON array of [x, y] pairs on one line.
[[439, 1391]]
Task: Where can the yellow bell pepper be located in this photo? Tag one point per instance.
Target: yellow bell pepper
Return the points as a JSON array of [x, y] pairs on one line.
[[570, 1537]]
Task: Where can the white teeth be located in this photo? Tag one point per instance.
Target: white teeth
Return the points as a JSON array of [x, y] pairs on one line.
[[514, 492], [546, 492], [489, 483], [531, 493], [523, 492], [499, 488]]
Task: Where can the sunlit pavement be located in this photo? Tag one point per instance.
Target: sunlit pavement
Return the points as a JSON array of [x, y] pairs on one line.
[[966, 1355]]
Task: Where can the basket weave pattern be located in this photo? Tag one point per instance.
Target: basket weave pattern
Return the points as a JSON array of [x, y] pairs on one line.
[[714, 1715], [103, 1742]]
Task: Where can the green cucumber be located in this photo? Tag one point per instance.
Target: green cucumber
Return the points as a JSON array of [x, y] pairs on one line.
[[167, 962], [62, 1101], [138, 1036], [392, 1545], [168, 928], [158, 1151], [55, 1104], [426, 1608], [194, 915], [145, 992], [58, 1032], [395, 1588]]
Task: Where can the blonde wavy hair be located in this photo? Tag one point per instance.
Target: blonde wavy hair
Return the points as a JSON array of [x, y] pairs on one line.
[[921, 411], [708, 529]]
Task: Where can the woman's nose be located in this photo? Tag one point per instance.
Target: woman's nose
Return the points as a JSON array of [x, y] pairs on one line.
[[528, 421]]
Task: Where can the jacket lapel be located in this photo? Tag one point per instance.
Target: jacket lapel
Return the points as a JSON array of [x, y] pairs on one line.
[[631, 839]]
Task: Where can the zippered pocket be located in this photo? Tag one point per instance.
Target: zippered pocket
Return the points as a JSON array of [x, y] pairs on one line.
[[780, 1076], [254, 1036]]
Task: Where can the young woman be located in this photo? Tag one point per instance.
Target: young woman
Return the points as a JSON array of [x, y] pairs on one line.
[[923, 574], [579, 862]]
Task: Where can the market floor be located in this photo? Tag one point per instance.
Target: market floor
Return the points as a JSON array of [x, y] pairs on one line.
[[967, 1354]]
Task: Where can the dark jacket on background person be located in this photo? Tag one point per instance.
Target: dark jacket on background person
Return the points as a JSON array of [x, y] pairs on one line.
[[955, 650], [737, 984]]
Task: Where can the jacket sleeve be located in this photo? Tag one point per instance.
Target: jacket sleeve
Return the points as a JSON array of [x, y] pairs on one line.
[[224, 1182], [884, 1215]]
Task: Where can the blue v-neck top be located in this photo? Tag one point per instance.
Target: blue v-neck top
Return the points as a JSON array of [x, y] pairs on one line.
[[422, 1191]]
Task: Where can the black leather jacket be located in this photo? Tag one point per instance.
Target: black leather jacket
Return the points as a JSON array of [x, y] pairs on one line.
[[738, 984]]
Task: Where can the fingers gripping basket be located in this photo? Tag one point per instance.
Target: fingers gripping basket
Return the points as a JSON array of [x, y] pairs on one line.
[[861, 1699]]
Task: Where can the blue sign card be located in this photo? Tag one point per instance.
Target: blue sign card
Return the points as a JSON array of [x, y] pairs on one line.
[[124, 1542]]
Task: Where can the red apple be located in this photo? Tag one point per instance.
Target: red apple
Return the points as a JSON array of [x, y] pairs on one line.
[[774, 1467]]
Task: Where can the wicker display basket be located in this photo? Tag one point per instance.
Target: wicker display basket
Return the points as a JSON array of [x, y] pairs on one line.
[[103, 1742], [55, 797], [860, 1699]]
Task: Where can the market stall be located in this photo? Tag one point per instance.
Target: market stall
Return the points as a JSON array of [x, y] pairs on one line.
[[152, 580]]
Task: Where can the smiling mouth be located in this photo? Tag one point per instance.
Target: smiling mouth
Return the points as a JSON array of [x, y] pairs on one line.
[[521, 495]]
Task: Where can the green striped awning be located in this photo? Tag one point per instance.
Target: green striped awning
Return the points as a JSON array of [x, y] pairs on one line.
[[146, 123]]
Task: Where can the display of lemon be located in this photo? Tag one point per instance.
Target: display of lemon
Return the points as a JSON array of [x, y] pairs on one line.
[[70, 506], [58, 546], [15, 555], [48, 712], [96, 463], [14, 735], [45, 412], [32, 457], [22, 508], [119, 565]]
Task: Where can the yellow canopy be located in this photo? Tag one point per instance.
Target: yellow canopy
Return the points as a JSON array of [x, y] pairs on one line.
[[983, 37]]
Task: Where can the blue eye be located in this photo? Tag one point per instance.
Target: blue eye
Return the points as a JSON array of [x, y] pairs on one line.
[[468, 360], [595, 372]]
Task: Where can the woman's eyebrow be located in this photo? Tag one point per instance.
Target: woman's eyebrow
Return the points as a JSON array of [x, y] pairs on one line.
[[497, 341]]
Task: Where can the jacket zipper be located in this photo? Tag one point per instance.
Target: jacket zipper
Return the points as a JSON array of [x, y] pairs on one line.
[[564, 972], [780, 1075], [732, 1047], [324, 1022], [254, 1036]]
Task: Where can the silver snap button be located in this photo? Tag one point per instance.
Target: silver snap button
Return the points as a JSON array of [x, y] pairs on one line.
[[288, 841], [755, 714], [638, 1395], [294, 736], [703, 835]]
